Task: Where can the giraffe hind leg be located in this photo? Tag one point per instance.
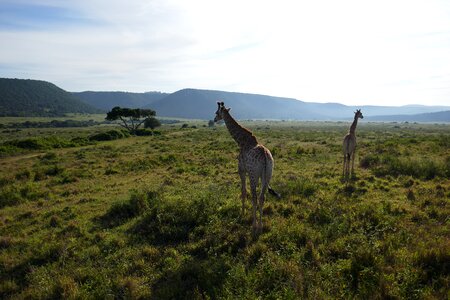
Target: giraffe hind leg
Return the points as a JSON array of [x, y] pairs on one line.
[[353, 163], [261, 203], [242, 174], [253, 183], [343, 168]]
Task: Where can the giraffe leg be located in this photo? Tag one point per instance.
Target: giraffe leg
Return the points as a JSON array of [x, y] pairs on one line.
[[353, 163], [261, 203], [253, 183], [347, 166], [343, 168], [243, 186]]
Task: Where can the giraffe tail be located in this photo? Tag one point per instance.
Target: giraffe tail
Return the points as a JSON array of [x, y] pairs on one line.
[[274, 193], [267, 174]]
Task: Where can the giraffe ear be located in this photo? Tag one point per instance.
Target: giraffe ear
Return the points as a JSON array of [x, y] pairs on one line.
[[228, 109]]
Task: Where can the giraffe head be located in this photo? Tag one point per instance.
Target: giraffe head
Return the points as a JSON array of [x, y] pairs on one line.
[[358, 114], [220, 110]]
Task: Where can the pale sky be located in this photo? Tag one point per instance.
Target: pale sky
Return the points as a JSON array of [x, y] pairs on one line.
[[384, 52]]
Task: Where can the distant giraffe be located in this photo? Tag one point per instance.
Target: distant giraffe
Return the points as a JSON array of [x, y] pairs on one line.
[[254, 160], [349, 145]]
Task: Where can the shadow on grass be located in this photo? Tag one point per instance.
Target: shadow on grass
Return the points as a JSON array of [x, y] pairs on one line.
[[123, 211]]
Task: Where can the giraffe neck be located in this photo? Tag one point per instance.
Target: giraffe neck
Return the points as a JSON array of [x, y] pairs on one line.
[[353, 126], [243, 137]]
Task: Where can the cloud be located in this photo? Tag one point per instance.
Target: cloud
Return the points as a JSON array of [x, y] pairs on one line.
[[355, 52]]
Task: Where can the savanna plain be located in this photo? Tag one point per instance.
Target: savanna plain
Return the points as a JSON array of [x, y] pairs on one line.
[[94, 213]]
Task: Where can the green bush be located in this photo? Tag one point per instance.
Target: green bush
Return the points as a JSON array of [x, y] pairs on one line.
[[369, 161], [386, 164], [42, 143], [10, 196], [434, 263], [109, 135], [143, 132], [16, 194]]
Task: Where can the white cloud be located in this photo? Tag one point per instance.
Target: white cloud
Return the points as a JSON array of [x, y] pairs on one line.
[[354, 52]]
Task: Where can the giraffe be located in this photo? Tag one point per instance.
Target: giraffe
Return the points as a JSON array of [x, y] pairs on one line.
[[349, 145], [254, 159]]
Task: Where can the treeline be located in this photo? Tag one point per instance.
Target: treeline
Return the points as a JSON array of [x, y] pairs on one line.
[[52, 124]]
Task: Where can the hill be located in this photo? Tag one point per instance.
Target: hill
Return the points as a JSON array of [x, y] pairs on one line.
[[26, 98], [201, 104], [441, 116], [39, 98], [107, 100]]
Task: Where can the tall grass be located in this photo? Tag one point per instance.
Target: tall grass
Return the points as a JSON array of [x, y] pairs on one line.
[[383, 165], [159, 217]]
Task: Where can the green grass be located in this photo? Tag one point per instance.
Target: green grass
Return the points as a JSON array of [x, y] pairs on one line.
[[159, 216]]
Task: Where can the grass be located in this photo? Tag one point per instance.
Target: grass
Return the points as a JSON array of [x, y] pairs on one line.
[[159, 216]]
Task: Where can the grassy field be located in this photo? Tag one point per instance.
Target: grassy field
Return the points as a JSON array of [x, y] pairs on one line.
[[159, 216]]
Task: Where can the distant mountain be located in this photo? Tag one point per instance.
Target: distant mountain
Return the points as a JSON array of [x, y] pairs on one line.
[[107, 100], [201, 104], [441, 116], [39, 98], [26, 98]]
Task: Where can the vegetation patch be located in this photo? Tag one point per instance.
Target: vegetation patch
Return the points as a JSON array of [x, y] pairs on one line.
[[161, 217], [109, 135]]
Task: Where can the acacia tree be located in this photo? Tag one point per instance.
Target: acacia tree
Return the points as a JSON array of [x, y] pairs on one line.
[[131, 118]]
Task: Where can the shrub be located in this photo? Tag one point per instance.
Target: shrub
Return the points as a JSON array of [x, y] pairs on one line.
[[109, 135], [48, 156], [417, 168], [369, 161], [171, 222], [152, 123], [10, 196], [7, 149], [41, 143], [143, 132], [434, 263]]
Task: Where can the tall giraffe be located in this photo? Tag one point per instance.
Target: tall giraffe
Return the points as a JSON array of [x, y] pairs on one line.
[[349, 145], [254, 160]]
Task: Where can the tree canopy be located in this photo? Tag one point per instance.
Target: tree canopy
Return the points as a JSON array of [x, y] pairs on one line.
[[132, 118]]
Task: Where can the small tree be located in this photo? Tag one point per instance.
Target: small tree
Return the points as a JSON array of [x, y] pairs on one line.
[[131, 118], [152, 123], [210, 123]]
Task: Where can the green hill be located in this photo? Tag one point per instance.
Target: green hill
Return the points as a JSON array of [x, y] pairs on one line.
[[35, 98], [107, 100]]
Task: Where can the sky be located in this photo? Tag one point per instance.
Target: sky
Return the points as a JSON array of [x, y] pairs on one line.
[[384, 52]]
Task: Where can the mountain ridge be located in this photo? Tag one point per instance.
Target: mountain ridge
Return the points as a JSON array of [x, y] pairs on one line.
[[194, 103]]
